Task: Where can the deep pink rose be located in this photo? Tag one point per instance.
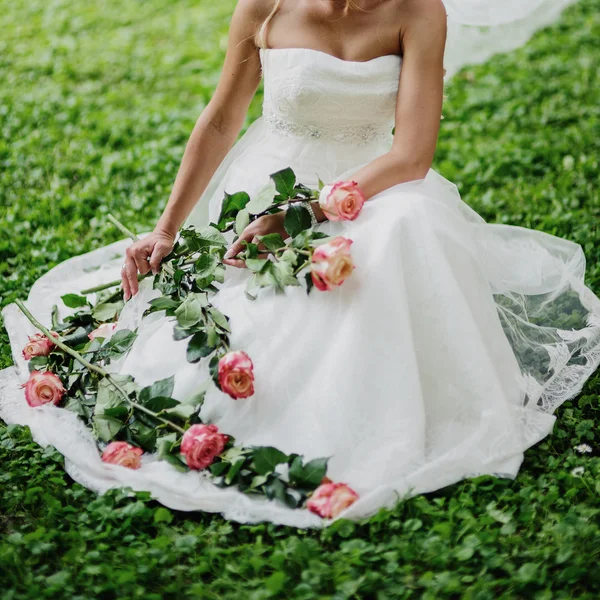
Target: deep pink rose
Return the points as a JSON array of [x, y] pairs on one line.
[[342, 201], [124, 454], [38, 345], [201, 444], [236, 375], [331, 264], [104, 331], [43, 388], [330, 499]]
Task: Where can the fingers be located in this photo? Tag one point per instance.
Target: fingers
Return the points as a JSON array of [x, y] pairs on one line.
[[237, 247], [129, 277], [158, 253]]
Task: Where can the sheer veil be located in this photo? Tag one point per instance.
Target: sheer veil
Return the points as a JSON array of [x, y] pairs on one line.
[[478, 29]]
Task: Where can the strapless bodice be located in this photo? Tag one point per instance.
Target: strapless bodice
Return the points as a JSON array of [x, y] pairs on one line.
[[312, 94]]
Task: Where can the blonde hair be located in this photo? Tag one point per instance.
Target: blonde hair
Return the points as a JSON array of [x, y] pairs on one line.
[[261, 36]]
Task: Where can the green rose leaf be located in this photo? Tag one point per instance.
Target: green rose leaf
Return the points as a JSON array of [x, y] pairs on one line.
[[297, 220], [206, 264], [266, 458], [160, 403], [242, 221], [256, 264], [234, 469], [272, 241], [106, 311], [285, 181], [263, 199], [209, 236], [190, 311], [121, 342], [106, 428], [232, 203], [164, 303], [74, 300], [144, 436], [308, 475], [284, 273], [198, 347], [219, 318], [158, 389]]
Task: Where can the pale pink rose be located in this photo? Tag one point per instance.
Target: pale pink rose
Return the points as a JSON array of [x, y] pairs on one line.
[[201, 444], [330, 499], [123, 454], [43, 388], [331, 264], [38, 345], [343, 202], [104, 331], [236, 375]]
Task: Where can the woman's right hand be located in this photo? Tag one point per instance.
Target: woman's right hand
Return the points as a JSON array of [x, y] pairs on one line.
[[143, 256]]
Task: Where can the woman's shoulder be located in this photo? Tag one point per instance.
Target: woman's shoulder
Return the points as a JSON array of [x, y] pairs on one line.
[[256, 9]]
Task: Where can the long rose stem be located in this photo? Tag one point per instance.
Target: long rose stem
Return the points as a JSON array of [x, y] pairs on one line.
[[94, 368], [106, 286]]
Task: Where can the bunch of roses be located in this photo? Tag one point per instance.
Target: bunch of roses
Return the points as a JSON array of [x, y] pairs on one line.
[[331, 263]]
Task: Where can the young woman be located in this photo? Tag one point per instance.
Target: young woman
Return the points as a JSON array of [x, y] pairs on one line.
[[442, 357]]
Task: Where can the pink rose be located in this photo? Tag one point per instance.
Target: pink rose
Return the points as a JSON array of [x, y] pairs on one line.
[[201, 444], [236, 376], [38, 345], [342, 201], [331, 264], [104, 331], [330, 499], [124, 454], [43, 388]]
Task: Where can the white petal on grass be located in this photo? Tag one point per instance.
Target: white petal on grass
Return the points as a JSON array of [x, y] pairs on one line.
[[578, 471], [583, 449]]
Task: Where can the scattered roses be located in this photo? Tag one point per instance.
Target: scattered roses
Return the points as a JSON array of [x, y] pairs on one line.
[[201, 444], [43, 388], [236, 376], [342, 201], [331, 264], [330, 499], [38, 345], [123, 454], [104, 331]]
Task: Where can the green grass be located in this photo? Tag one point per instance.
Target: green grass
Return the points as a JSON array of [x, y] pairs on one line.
[[96, 103]]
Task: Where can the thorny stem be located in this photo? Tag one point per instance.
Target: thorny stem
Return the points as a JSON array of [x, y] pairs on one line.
[[95, 368]]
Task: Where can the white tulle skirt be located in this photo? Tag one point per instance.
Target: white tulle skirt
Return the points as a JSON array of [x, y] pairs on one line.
[[442, 357]]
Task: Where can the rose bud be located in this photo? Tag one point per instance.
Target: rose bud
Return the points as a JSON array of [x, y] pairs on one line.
[[38, 345], [123, 454], [104, 331], [330, 499], [201, 444], [342, 201], [236, 375], [331, 264], [43, 388]]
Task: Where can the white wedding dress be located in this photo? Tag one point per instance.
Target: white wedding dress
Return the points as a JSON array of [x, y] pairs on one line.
[[442, 357]]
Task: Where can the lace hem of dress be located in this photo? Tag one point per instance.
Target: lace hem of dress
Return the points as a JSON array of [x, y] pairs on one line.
[[356, 135]]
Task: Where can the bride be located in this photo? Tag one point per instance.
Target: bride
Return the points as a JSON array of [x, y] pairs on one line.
[[445, 353]]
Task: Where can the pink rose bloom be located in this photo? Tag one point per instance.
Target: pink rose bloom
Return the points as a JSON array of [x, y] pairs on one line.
[[104, 331], [342, 201], [201, 444], [236, 375], [38, 345], [123, 454], [43, 388], [330, 499], [331, 264]]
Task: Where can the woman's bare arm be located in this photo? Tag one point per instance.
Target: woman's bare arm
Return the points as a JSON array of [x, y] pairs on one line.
[[212, 137], [419, 103]]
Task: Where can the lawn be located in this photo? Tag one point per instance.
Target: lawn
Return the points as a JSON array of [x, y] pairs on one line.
[[96, 103]]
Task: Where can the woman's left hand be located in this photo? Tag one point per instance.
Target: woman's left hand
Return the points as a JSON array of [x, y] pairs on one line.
[[262, 226]]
